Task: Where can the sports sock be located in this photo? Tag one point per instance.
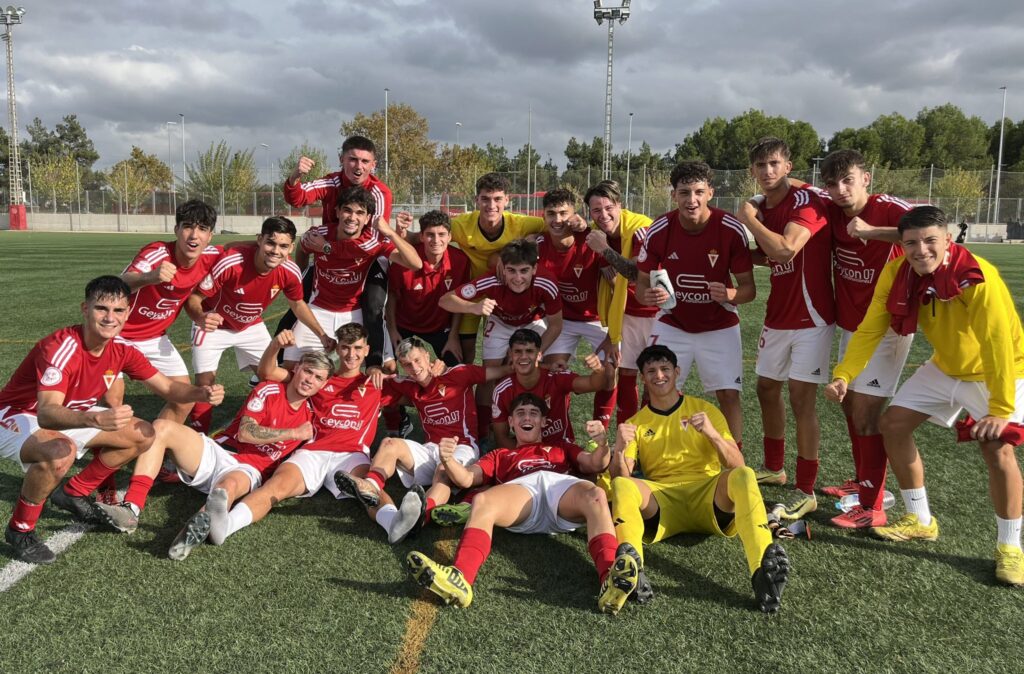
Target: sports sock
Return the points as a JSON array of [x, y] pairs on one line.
[[26, 514], [604, 405], [201, 417], [483, 422], [239, 517], [855, 448], [385, 515], [138, 490], [806, 474], [473, 551], [750, 517], [220, 518], [378, 478], [1009, 530], [916, 503], [392, 418], [602, 551], [627, 397], [873, 463], [109, 483], [431, 504], [774, 453], [629, 523], [91, 476]]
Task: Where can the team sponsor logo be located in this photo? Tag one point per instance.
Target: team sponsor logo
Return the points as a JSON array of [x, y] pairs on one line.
[[343, 416], [692, 288], [342, 277], [207, 283], [780, 269], [533, 465], [165, 308], [274, 291], [468, 292], [448, 282], [345, 411], [51, 377], [649, 433], [439, 414], [169, 287], [244, 312], [570, 293], [578, 269], [554, 427], [256, 404], [713, 257], [108, 378], [11, 425]]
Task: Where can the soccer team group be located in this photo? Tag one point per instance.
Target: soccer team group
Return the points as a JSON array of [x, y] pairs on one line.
[[650, 298]]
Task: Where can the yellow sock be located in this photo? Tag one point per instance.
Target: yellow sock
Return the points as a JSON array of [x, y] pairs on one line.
[[629, 523], [751, 517]]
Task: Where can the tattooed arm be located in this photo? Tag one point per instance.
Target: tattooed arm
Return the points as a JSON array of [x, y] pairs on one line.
[[252, 433], [623, 266]]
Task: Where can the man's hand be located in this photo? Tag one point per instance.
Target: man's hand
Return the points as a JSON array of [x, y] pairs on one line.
[[446, 449], [326, 341], [164, 273], [597, 432], [720, 293], [989, 428], [626, 433], [499, 272], [592, 361], [437, 368], [485, 308], [375, 376], [113, 419], [213, 394], [313, 241], [303, 432], [284, 338], [402, 223], [211, 321], [702, 424], [453, 345], [654, 297], [836, 391], [384, 227], [857, 228], [577, 223], [304, 166], [598, 241]]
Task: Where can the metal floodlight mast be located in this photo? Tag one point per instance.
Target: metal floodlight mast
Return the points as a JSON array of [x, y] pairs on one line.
[[11, 16], [999, 161], [612, 14]]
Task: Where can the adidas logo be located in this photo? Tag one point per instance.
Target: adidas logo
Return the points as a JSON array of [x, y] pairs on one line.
[[649, 433], [817, 371], [239, 291], [418, 286], [874, 383], [739, 380], [328, 389], [673, 256]]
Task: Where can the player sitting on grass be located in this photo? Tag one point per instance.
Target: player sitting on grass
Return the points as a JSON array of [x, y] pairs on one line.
[[963, 307], [49, 414], [533, 493], [445, 405], [695, 481]]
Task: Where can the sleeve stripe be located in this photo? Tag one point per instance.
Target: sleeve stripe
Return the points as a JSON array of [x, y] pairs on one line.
[[486, 282], [63, 354], [659, 224], [896, 201], [734, 224], [293, 269], [546, 284], [317, 184], [801, 198], [378, 199], [224, 263]]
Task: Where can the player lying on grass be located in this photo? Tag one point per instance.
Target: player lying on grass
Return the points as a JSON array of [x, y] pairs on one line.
[[446, 408], [49, 413], [963, 307], [273, 422], [535, 492], [695, 481]]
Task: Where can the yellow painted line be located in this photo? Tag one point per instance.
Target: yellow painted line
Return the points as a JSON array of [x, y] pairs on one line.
[[422, 615]]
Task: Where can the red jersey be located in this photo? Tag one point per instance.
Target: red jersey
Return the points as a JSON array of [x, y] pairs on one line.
[[446, 405], [801, 292], [633, 306], [325, 190], [858, 262], [515, 309], [693, 261], [345, 414], [577, 272], [504, 465], [417, 292], [553, 387], [236, 291], [268, 406], [60, 362], [341, 274], [154, 307]]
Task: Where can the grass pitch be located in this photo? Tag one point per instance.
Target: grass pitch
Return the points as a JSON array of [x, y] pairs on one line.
[[316, 587]]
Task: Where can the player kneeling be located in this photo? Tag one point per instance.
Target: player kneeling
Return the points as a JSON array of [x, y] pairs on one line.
[[533, 494], [695, 481]]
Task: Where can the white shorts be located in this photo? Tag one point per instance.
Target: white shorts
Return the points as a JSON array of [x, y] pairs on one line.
[[930, 391], [426, 458], [801, 355], [593, 333], [318, 468], [636, 332], [718, 354], [15, 431], [162, 354], [497, 332], [215, 464], [330, 321], [249, 345], [547, 489], [882, 374]]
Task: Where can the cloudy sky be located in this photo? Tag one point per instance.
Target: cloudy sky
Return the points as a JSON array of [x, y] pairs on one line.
[[253, 71]]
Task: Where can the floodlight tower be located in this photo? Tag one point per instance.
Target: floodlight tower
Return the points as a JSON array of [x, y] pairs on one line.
[[10, 17], [612, 14]]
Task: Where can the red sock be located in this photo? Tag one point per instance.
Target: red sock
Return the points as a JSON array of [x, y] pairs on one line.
[[431, 504], [806, 474], [473, 550], [604, 405], [201, 417], [377, 477], [855, 447], [392, 418], [138, 490], [873, 463], [25, 515], [739, 445], [109, 483], [483, 421], [774, 453], [628, 398], [602, 550], [91, 477]]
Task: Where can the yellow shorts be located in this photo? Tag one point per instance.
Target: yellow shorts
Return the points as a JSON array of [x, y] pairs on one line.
[[469, 325], [686, 508]]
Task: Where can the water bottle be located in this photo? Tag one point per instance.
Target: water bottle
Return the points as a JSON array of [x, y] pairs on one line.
[[850, 501]]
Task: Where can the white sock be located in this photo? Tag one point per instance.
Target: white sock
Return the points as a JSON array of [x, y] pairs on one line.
[[385, 515], [1009, 531], [916, 503], [239, 517]]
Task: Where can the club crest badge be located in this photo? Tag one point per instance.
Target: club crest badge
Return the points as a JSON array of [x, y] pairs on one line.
[[108, 378], [713, 257]]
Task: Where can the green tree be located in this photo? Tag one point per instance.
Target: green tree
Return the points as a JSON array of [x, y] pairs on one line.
[[321, 164], [134, 179], [67, 138], [726, 146], [55, 180], [458, 167], [497, 155], [1013, 144], [952, 139], [958, 183], [902, 141], [410, 149], [222, 171]]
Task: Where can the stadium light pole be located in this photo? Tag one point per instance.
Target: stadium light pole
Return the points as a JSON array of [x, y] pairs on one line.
[[611, 14], [458, 130], [387, 166], [999, 161], [11, 16], [182, 116], [174, 194], [629, 147], [270, 177]]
